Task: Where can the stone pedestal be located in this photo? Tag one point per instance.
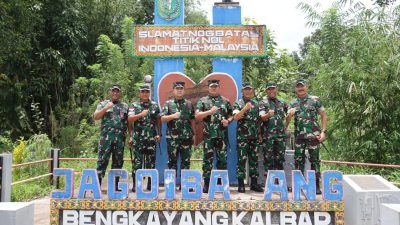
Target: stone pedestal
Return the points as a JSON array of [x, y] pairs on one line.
[[16, 213], [288, 166], [363, 196], [390, 214]]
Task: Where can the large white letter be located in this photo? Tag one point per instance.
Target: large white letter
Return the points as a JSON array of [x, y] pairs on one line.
[[237, 219], [133, 218], [101, 219], [155, 221], [169, 217], [186, 218], [84, 217], [305, 219], [256, 219], [288, 218], [120, 218], [224, 219], [70, 217], [198, 217], [322, 218]]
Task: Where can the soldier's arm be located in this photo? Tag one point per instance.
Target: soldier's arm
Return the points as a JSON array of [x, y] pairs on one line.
[[324, 120], [158, 121], [99, 113], [130, 129], [193, 125], [135, 117], [265, 116], [238, 112], [289, 117], [167, 118], [200, 115]]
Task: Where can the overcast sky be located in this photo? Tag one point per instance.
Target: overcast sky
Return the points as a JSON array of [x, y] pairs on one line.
[[281, 16]]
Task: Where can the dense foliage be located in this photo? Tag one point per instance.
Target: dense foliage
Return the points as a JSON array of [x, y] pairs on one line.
[[58, 57], [354, 59]]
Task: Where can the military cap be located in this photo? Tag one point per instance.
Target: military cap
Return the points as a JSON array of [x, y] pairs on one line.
[[213, 82], [246, 85], [115, 86], [179, 84], [144, 88], [301, 81], [270, 84]]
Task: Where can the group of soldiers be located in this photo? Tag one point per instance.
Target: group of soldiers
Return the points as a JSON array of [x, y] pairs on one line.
[[260, 125]]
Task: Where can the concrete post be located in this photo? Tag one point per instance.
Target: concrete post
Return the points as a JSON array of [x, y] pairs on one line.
[[6, 169], [55, 156]]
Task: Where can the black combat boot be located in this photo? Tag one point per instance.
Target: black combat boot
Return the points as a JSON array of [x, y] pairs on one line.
[[241, 188], [206, 185], [254, 185], [149, 184], [116, 184], [318, 189]]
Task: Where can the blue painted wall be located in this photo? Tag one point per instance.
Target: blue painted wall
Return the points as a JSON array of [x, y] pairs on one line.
[[233, 66], [161, 67]]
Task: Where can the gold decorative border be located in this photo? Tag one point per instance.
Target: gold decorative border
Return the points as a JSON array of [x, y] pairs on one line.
[[195, 205], [262, 52]]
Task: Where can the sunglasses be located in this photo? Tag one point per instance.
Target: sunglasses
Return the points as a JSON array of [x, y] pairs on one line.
[[145, 91]]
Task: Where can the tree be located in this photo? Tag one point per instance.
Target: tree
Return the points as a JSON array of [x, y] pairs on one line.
[[357, 75]]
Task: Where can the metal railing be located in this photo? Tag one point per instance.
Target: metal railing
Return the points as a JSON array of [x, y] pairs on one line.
[[6, 169]]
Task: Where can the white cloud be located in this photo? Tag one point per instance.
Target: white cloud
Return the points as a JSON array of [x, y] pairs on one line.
[[281, 16]]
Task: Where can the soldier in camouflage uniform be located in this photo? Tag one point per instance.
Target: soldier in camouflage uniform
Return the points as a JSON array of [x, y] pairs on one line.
[[245, 111], [179, 114], [114, 116], [308, 134], [216, 112], [272, 113], [144, 131]]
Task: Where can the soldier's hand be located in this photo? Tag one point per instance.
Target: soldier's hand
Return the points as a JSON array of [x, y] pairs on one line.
[[144, 112], [214, 109], [194, 139], [177, 115], [157, 138], [321, 137], [292, 112], [109, 105], [225, 122], [248, 106], [239, 116], [271, 112]]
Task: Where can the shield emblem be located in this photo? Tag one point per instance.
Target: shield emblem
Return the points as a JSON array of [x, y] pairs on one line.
[[169, 9]]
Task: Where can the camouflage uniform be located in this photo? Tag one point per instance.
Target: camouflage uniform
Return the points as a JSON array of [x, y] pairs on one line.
[[179, 133], [306, 131], [273, 131], [247, 138], [144, 131], [112, 136], [215, 134]]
